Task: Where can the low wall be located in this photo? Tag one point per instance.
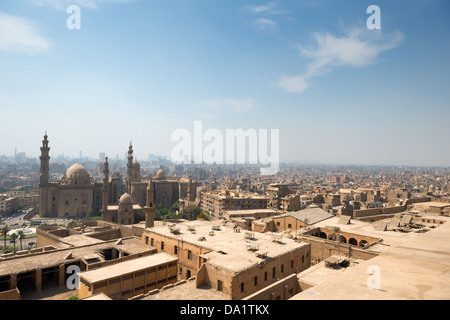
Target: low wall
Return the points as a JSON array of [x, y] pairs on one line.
[[280, 290], [13, 294]]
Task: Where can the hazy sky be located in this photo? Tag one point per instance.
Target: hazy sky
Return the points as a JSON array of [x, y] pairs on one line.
[[138, 70]]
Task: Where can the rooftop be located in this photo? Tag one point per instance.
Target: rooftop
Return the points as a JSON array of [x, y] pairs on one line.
[[310, 216], [126, 267], [29, 262], [228, 249], [415, 268]]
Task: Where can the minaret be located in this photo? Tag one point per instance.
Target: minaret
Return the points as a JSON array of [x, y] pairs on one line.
[[129, 167], [44, 178], [45, 159], [105, 190], [150, 206], [190, 191]]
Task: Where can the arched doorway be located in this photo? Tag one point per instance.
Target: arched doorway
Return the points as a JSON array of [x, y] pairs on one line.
[[353, 241], [323, 235], [343, 239], [363, 243]]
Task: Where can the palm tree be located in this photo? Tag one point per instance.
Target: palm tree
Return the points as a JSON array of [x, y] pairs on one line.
[[21, 237], [30, 245], [13, 240], [5, 231]]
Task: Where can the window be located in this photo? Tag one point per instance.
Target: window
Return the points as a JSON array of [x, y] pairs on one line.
[[189, 254], [282, 268], [219, 285], [256, 281], [175, 250], [292, 264], [265, 276], [162, 246], [146, 240], [273, 272], [152, 242], [303, 259], [289, 225], [242, 287], [278, 224]]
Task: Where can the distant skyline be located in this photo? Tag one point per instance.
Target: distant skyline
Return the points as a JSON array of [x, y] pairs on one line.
[[138, 70]]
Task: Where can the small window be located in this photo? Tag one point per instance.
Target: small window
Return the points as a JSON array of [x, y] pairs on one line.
[[282, 268], [255, 280], [289, 225], [175, 250], [242, 287], [219, 285], [292, 264], [278, 224], [303, 259], [189, 254], [273, 272], [152, 242], [146, 240], [265, 276], [162, 246]]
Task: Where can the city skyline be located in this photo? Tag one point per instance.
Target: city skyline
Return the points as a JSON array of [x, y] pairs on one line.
[[337, 91]]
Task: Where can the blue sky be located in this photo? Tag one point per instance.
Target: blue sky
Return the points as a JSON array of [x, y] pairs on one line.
[[138, 70]]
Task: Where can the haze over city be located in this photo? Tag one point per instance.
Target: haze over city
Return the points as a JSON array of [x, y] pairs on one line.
[[138, 70]]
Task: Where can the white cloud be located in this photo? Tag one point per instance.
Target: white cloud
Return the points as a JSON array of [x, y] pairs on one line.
[[292, 84], [263, 8], [263, 24], [357, 49], [227, 105], [18, 34]]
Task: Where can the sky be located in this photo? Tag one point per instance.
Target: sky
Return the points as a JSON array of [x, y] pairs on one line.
[[138, 70]]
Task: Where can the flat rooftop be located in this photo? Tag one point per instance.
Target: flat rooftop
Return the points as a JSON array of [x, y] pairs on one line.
[[415, 268], [228, 249], [187, 291], [390, 238], [126, 267], [31, 262]]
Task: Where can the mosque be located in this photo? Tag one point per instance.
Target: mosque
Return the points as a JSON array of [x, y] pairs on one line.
[[77, 194]]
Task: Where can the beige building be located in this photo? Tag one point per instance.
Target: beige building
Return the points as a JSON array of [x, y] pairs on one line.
[[217, 202], [77, 194], [8, 204], [229, 261], [129, 278]]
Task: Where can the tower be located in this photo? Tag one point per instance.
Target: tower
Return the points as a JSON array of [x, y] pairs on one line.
[[45, 160], [150, 206], [190, 190], [44, 186], [129, 168], [105, 189]]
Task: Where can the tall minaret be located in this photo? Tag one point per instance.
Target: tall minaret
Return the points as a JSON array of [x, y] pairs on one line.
[[129, 167], [45, 159], [190, 190], [105, 190], [44, 178], [150, 206]]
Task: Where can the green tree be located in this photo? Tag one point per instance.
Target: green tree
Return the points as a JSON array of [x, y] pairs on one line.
[[5, 231], [21, 236], [190, 212], [13, 238], [139, 216]]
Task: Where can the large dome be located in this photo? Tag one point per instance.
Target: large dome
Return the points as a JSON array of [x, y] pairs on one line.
[[76, 170], [160, 174], [125, 198]]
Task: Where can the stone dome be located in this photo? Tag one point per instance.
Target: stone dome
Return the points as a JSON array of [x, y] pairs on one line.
[[77, 170], [125, 198], [160, 174]]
